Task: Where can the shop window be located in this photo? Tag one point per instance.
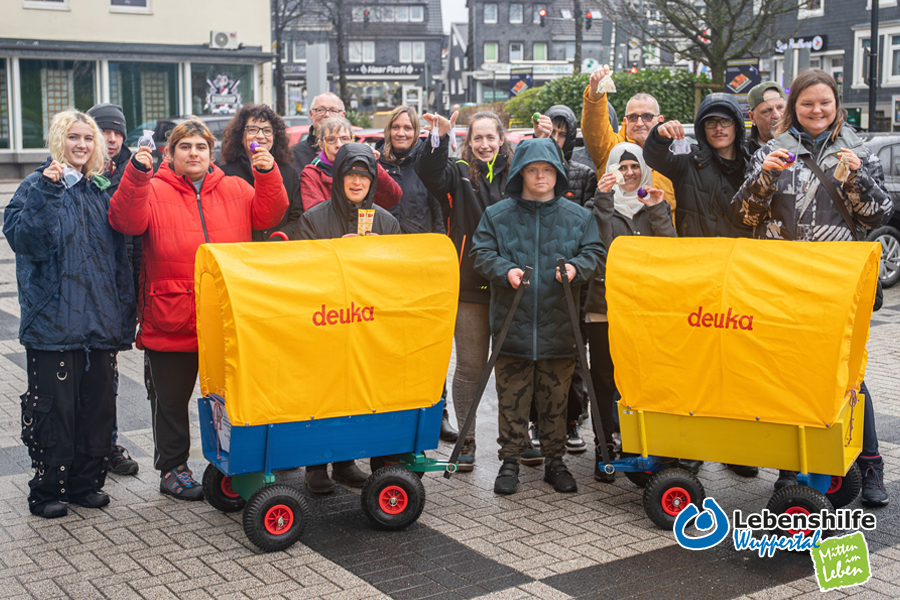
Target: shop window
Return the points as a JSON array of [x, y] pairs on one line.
[[299, 51], [130, 6], [220, 89], [490, 52], [810, 8], [47, 5], [145, 91], [4, 105], [516, 12], [361, 52], [540, 51], [516, 52], [417, 14], [490, 14], [49, 86]]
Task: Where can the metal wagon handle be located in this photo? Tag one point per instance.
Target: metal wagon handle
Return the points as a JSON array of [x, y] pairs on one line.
[[495, 353]]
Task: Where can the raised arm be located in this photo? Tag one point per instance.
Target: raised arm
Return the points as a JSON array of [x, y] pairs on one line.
[[387, 192], [751, 203], [31, 219], [656, 150], [599, 137], [269, 200], [129, 208]]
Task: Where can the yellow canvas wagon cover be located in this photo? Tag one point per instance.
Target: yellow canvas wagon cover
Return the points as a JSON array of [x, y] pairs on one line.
[[745, 329], [296, 331]]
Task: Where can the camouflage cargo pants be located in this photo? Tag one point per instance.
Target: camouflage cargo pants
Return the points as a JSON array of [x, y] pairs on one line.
[[546, 383]]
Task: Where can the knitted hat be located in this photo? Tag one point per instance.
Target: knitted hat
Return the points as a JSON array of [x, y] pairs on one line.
[[109, 116]]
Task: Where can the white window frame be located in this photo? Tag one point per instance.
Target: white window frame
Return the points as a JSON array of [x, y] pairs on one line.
[[405, 17], [134, 10], [496, 46], [565, 13], [521, 14], [294, 51], [358, 14], [46, 4], [418, 52], [888, 79], [521, 51], [496, 17], [881, 4], [536, 45], [806, 13], [421, 16], [365, 51], [408, 47]]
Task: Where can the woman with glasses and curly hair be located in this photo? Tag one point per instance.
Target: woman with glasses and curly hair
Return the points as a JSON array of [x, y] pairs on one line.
[[316, 177], [259, 124], [77, 302]]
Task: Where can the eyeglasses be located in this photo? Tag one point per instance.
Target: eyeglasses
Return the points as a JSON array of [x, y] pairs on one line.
[[266, 131], [327, 111], [334, 140], [715, 123], [646, 117]]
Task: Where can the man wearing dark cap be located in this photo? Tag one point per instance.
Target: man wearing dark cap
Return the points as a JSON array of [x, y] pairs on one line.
[[767, 105], [111, 120]]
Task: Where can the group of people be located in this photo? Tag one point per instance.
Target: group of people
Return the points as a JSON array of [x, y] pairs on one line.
[[105, 251]]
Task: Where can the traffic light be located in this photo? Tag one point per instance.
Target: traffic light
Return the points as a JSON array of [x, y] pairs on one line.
[[588, 20], [366, 16], [633, 70], [543, 14]]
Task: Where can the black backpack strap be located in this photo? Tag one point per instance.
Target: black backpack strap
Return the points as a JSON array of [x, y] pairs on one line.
[[832, 191]]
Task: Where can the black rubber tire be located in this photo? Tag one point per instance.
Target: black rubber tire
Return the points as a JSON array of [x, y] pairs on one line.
[[638, 478], [798, 496], [850, 486], [214, 491], [666, 487], [275, 497], [377, 462], [890, 248], [404, 487]]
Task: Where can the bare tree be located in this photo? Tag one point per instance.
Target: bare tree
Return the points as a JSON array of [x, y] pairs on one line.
[[707, 31], [339, 14], [286, 14]]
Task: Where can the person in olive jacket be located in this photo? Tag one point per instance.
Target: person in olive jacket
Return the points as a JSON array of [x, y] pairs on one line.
[[534, 227]]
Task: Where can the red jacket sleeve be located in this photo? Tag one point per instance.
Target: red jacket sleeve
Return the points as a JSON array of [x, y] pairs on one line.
[[270, 199], [388, 192], [129, 208], [311, 190]]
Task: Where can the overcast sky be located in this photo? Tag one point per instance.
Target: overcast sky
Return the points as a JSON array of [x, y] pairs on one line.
[[452, 11]]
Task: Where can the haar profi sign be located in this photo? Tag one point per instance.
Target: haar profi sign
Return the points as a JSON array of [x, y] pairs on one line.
[[794, 322]]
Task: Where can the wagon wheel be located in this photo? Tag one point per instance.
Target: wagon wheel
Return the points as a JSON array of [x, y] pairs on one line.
[[217, 491], [377, 462], [844, 490], [275, 517], [798, 499], [668, 493], [393, 498]]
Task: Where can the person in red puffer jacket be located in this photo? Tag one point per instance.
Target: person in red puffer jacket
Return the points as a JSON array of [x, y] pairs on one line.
[[188, 202]]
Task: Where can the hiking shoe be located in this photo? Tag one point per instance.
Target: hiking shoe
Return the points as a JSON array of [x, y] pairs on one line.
[[558, 475], [448, 434], [91, 500], [534, 437], [599, 474], [317, 479], [743, 471], [466, 460], [179, 483], [785, 478], [121, 463], [574, 441], [348, 474], [507, 481], [873, 492], [532, 457]]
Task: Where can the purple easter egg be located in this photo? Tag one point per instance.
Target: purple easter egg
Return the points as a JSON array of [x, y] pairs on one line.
[[254, 147], [791, 157], [642, 193]]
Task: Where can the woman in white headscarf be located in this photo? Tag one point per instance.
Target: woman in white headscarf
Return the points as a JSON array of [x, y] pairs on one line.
[[620, 210]]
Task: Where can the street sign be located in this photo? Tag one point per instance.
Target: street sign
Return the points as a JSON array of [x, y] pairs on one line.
[[741, 74], [634, 55]]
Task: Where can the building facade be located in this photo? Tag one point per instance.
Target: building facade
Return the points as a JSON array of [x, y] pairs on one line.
[[835, 36], [200, 57], [388, 46]]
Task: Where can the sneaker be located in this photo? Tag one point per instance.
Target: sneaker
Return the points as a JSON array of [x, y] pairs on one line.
[[448, 434], [785, 478], [873, 492], [317, 479], [466, 460], [51, 510], [507, 481], [179, 483], [532, 457], [121, 463], [534, 437], [348, 474], [91, 500], [574, 441], [558, 475], [743, 471]]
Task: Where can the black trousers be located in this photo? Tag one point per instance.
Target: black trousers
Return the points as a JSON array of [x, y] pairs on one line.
[[68, 415], [169, 387], [602, 376]]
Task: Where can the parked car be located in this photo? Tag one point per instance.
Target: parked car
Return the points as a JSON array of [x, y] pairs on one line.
[[886, 146]]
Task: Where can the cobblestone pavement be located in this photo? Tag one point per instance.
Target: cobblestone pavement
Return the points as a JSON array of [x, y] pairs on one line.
[[469, 543]]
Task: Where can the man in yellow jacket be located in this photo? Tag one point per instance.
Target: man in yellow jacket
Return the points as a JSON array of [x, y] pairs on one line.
[[641, 115]]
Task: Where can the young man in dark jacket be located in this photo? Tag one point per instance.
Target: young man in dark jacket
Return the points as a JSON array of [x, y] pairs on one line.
[[533, 227], [706, 179]]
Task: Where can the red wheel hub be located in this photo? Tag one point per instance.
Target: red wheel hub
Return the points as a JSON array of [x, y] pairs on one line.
[[674, 500], [278, 519], [797, 510], [226, 488], [393, 500], [836, 483]]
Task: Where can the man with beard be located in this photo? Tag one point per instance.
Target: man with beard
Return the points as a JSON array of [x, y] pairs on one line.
[[767, 104]]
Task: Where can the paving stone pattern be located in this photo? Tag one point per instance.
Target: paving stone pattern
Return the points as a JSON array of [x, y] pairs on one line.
[[469, 543]]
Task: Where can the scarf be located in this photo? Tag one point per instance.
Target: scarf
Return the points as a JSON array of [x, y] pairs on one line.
[[628, 204]]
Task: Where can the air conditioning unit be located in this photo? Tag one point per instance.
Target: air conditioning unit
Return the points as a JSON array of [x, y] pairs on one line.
[[223, 40]]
